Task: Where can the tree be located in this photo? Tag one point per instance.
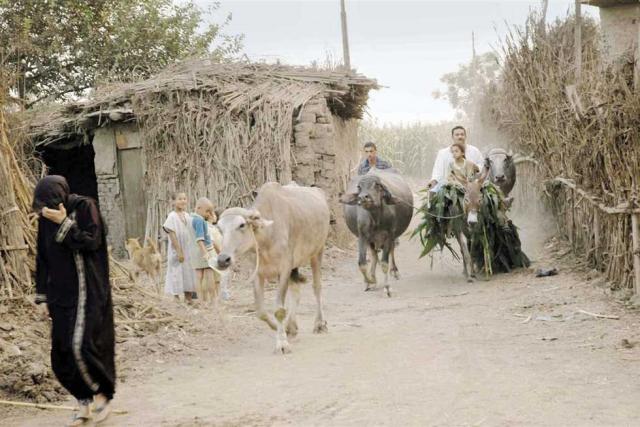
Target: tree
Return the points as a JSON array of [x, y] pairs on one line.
[[469, 82], [60, 48]]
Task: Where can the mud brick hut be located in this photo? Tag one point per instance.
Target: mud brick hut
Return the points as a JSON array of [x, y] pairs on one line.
[[216, 130], [620, 22]]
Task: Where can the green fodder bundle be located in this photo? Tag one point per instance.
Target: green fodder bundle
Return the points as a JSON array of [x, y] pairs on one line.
[[442, 219], [585, 131], [494, 242]]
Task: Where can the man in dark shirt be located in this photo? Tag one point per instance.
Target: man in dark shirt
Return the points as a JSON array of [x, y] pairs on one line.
[[372, 160]]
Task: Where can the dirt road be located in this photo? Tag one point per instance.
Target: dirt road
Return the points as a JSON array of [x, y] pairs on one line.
[[512, 351]]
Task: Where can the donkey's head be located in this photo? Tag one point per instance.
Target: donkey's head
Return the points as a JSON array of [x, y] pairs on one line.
[[473, 197]]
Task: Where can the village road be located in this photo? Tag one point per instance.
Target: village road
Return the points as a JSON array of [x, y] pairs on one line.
[[441, 352]]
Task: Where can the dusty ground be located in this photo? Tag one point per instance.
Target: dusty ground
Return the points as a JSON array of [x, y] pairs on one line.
[[511, 351]]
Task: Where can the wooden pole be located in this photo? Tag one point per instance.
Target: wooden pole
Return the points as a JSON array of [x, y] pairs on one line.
[[55, 407], [636, 68], [596, 235], [635, 235], [578, 41], [346, 58], [543, 19]]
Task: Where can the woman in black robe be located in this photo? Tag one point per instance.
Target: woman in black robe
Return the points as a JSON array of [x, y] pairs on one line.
[[72, 278]]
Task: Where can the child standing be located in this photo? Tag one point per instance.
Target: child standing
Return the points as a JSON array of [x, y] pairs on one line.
[[180, 277], [203, 250], [460, 170]]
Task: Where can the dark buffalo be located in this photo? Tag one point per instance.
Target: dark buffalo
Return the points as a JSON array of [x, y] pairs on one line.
[[378, 208]]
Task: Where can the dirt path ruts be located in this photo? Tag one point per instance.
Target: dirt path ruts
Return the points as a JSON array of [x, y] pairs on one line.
[[512, 351]]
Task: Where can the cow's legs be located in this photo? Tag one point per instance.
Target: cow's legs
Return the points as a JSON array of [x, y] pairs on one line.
[[282, 345], [466, 257], [293, 301], [386, 250], [362, 262], [394, 268], [374, 264], [258, 295], [320, 325]]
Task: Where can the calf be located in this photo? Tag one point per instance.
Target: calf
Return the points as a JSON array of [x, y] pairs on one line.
[[286, 228]]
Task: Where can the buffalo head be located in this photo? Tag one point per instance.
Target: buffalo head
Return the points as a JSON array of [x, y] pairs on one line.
[[370, 193]]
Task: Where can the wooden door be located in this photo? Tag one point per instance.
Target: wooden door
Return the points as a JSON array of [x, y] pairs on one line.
[[133, 194]]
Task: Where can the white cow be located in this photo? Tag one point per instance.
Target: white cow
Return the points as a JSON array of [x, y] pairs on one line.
[[286, 228]]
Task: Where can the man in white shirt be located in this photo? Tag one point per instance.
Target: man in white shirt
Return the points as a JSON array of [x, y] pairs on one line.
[[444, 158]]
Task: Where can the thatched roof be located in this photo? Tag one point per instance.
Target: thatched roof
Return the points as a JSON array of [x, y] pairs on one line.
[[239, 86]]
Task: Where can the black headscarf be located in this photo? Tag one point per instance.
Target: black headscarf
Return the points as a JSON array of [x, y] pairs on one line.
[[51, 191]]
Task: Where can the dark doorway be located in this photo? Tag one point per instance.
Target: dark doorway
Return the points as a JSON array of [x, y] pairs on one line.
[[76, 164]]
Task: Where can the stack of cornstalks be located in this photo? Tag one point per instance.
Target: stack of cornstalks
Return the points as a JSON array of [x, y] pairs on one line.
[[584, 130]]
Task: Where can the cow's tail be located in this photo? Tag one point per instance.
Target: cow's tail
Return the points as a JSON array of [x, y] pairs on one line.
[[296, 277]]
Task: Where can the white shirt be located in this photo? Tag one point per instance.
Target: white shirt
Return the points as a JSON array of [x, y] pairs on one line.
[[444, 158]]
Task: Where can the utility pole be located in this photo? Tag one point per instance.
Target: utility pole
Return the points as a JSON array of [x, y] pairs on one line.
[[474, 83], [345, 37], [578, 41]]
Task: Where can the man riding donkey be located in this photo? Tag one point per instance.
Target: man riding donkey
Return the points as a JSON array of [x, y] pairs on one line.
[[462, 205]]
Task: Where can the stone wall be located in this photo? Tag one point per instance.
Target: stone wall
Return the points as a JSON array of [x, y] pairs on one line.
[[324, 151], [111, 206], [619, 32]]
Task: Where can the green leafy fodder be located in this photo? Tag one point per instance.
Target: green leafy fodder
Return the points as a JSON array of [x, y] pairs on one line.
[[494, 243], [442, 218]]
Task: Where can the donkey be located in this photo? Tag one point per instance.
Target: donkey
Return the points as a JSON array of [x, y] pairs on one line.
[[472, 202]]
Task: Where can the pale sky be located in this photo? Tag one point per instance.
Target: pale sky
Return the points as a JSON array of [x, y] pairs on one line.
[[406, 45]]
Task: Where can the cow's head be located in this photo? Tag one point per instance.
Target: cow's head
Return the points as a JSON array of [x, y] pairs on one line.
[[239, 228], [370, 193], [502, 166]]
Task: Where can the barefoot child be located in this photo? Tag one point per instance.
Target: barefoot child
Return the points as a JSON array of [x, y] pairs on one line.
[[460, 170], [180, 277], [205, 280]]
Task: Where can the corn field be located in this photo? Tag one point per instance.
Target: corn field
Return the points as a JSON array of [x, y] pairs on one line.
[[411, 148]]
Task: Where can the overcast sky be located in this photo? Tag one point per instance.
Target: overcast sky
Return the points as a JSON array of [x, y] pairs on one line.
[[406, 45]]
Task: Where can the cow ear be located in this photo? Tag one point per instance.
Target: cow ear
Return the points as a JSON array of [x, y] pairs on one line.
[[349, 199], [388, 198], [256, 221]]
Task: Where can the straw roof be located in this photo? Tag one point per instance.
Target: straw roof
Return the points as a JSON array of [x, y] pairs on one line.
[[240, 87]]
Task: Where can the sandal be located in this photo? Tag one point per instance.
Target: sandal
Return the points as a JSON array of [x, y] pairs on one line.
[[101, 413], [78, 420]]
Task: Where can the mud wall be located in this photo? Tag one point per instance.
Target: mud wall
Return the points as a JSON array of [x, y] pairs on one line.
[[324, 153], [619, 31]]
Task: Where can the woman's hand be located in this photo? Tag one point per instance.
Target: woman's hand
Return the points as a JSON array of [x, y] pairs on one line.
[[55, 215]]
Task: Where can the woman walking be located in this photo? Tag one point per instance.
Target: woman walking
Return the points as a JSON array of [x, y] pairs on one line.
[[72, 270]]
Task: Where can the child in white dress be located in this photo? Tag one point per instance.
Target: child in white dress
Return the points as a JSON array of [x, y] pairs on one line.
[[180, 277]]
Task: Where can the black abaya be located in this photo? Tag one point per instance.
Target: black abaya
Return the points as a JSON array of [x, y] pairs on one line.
[[72, 277]]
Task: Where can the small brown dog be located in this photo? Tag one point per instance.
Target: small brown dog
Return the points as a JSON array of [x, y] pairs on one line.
[[147, 259]]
